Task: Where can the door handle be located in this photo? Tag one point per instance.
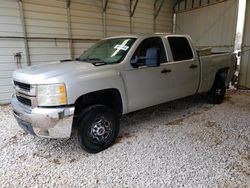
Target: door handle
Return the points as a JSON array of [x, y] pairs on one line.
[[165, 71], [193, 66]]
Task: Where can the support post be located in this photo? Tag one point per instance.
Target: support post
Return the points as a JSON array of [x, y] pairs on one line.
[[157, 8], [69, 29], [104, 24], [133, 6], [192, 3], [26, 44]]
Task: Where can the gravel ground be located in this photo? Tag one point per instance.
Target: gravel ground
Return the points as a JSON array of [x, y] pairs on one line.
[[185, 143]]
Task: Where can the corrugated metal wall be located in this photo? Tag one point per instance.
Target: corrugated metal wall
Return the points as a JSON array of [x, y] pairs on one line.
[[163, 20], [213, 25], [143, 21], [47, 18], [57, 32], [10, 25], [86, 22], [244, 80], [117, 17]]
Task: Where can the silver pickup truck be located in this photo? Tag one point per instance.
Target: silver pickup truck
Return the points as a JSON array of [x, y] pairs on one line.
[[115, 76]]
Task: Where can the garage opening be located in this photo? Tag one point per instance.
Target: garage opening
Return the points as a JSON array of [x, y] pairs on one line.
[[238, 39]]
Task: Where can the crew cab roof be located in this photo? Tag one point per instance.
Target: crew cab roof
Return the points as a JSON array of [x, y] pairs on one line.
[[145, 35]]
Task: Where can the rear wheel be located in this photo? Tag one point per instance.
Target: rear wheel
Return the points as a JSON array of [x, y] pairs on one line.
[[217, 93], [98, 127]]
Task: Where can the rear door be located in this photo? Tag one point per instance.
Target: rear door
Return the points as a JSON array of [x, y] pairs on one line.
[[184, 66]]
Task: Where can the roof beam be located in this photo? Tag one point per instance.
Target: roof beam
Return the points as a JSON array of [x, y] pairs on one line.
[[157, 7], [68, 3], [105, 5], [69, 28], [26, 44], [133, 6]]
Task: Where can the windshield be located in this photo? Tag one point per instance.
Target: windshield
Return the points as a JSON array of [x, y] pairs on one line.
[[108, 51]]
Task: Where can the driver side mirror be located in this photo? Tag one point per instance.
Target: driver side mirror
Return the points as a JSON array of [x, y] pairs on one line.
[[150, 60], [152, 57]]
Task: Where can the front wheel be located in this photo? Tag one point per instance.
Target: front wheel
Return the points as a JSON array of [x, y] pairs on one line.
[[98, 127], [217, 92]]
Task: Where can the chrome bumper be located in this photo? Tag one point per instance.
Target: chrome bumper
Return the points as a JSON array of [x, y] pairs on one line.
[[44, 122]]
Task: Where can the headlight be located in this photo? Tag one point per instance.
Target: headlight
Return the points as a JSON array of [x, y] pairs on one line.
[[51, 95]]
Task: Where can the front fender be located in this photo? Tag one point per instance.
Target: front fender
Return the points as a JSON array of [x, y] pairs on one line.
[[84, 84]]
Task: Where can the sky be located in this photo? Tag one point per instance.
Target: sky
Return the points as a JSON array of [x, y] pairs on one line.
[[241, 15]]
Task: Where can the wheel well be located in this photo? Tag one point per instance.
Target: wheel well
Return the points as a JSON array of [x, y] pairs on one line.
[[109, 97], [223, 73]]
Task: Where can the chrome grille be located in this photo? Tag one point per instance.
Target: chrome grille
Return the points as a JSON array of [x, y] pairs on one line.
[[23, 86], [24, 101]]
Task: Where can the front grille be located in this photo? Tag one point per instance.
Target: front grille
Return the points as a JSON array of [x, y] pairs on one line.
[[22, 85], [24, 100]]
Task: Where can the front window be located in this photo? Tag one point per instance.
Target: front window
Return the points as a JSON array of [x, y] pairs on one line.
[[108, 51], [152, 42]]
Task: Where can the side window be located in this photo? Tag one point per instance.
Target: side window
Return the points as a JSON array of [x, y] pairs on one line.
[[154, 42], [180, 48]]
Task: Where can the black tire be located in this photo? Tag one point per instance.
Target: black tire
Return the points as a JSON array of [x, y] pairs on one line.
[[97, 128], [217, 92]]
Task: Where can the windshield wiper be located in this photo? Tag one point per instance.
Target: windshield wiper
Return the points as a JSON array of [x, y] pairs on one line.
[[99, 63], [88, 59], [94, 61], [65, 60]]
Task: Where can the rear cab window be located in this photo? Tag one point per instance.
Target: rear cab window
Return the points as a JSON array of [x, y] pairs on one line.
[[180, 48]]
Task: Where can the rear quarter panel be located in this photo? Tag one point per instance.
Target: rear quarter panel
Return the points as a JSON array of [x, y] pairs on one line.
[[211, 64]]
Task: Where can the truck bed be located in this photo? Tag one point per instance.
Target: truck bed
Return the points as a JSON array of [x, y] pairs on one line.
[[210, 64]]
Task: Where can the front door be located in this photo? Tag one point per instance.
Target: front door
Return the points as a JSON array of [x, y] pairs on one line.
[[147, 86]]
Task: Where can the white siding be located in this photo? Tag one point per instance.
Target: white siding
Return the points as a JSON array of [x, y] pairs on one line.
[[117, 17], [206, 29], [47, 18], [10, 25], [46, 51], [86, 22], [244, 80], [164, 21], [86, 19], [143, 20]]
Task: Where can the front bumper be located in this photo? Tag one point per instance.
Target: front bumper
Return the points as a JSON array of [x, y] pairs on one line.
[[44, 122]]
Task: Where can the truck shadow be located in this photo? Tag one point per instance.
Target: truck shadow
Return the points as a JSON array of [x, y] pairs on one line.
[[170, 113]]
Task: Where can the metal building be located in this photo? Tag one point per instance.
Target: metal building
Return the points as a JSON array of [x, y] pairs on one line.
[[209, 23], [213, 23], [244, 80], [50, 30]]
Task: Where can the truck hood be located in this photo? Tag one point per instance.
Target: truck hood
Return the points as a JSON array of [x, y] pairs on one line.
[[41, 74]]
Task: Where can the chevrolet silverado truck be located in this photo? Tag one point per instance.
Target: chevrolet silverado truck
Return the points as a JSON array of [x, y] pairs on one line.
[[115, 76]]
